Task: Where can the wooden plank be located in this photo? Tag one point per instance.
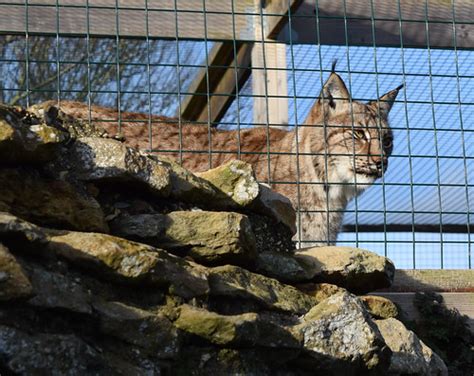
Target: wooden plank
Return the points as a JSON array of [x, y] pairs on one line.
[[454, 280], [463, 302], [408, 227], [389, 22], [225, 75], [189, 20]]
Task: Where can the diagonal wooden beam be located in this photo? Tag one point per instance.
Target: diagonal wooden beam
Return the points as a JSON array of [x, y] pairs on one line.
[[218, 83], [220, 80]]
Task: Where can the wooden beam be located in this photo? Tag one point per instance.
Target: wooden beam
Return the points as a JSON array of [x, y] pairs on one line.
[[392, 22], [395, 227], [188, 20], [463, 302], [225, 75], [455, 286], [224, 82], [440, 280], [269, 85]]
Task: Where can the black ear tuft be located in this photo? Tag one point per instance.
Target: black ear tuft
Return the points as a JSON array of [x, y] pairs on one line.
[[333, 66]]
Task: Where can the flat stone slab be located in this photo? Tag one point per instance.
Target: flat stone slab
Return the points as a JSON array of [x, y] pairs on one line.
[[357, 270], [211, 238], [102, 159]]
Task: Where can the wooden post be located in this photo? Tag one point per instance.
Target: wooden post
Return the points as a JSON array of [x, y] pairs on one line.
[[269, 79]]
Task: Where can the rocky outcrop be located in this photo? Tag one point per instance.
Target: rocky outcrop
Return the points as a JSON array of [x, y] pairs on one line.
[[113, 261]]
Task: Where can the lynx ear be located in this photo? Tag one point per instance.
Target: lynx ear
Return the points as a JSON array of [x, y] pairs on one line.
[[385, 102], [334, 94]]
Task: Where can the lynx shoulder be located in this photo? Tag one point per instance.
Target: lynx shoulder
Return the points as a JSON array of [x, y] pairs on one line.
[[342, 148]]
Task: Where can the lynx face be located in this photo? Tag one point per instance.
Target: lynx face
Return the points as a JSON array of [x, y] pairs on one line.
[[357, 137], [358, 154]]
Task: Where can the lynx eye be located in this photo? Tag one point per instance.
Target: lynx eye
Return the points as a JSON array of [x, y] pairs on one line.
[[387, 143], [358, 134]]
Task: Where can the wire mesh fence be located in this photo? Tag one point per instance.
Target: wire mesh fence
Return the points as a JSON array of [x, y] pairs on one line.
[[239, 64]]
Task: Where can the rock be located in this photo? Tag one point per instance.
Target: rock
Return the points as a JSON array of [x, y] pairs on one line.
[[24, 234], [49, 113], [53, 290], [277, 206], [198, 360], [21, 142], [129, 261], [357, 270], [14, 284], [237, 181], [232, 281], [36, 353], [341, 339], [53, 203], [282, 266], [410, 355], [320, 291], [187, 187], [152, 332], [101, 159], [380, 307], [218, 329], [270, 235], [211, 238], [54, 354]]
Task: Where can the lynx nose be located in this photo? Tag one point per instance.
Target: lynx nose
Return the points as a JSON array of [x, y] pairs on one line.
[[381, 163]]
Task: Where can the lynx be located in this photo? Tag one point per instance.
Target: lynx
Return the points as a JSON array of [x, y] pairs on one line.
[[341, 149]]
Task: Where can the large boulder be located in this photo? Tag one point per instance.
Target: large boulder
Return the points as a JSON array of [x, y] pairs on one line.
[[341, 339], [357, 270], [210, 238], [127, 261], [410, 355]]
